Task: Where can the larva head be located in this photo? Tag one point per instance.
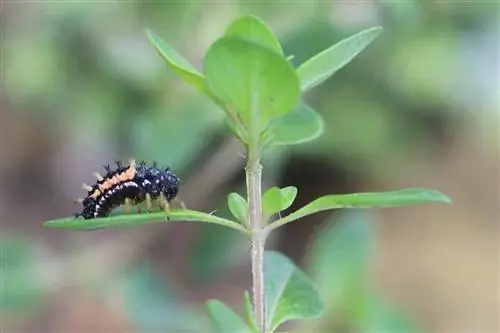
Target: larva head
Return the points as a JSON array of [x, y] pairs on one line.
[[169, 184]]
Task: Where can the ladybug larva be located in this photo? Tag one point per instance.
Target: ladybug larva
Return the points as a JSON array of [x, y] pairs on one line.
[[129, 185]]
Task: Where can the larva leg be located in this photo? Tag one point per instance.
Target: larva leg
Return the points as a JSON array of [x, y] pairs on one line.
[[164, 204], [86, 187], [183, 205], [98, 176], [128, 205], [149, 203]]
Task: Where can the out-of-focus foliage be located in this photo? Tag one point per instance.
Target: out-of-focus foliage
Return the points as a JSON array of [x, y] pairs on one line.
[[339, 263], [88, 72]]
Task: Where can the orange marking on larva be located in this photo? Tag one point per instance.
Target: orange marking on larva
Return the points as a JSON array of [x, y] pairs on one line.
[[95, 194], [127, 175]]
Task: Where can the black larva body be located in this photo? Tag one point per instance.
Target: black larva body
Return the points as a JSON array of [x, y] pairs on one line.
[[131, 182]]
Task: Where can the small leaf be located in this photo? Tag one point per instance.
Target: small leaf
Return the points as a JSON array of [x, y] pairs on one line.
[[320, 67], [275, 200], [238, 206], [180, 65], [251, 79], [301, 125], [126, 220], [249, 311], [290, 294], [364, 200], [224, 320], [254, 30]]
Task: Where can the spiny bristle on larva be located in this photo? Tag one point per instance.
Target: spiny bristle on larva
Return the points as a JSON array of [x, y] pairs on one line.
[[86, 187], [98, 176], [131, 162]]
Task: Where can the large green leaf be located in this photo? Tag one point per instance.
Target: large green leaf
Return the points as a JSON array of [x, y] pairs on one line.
[[290, 294], [180, 65], [301, 125], [238, 206], [254, 30], [277, 199], [128, 220], [251, 79], [224, 320], [365, 200], [320, 67]]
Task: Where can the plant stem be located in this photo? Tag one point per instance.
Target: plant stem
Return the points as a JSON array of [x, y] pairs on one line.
[[253, 176]]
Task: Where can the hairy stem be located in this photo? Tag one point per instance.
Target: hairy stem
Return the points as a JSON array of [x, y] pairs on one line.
[[253, 176]]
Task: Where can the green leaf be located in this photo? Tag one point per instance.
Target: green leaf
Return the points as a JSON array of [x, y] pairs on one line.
[[320, 67], [224, 320], [251, 79], [238, 206], [254, 30], [364, 200], [249, 311], [277, 199], [180, 65], [301, 125], [290, 294], [127, 220]]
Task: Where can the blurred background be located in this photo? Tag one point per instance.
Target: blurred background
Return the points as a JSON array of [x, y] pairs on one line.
[[82, 87]]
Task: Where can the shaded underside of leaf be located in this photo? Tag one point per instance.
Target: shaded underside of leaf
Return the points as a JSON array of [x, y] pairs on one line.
[[302, 124], [126, 220]]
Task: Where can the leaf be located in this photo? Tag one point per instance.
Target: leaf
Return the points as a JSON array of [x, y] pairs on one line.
[[254, 30], [224, 320], [180, 65], [364, 200], [320, 67], [251, 79], [126, 220], [301, 125], [275, 200], [289, 292], [238, 206]]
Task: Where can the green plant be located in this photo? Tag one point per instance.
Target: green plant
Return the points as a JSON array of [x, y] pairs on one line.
[[253, 82]]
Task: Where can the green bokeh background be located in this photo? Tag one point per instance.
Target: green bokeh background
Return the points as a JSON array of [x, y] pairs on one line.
[[82, 87]]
